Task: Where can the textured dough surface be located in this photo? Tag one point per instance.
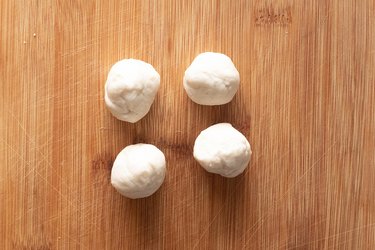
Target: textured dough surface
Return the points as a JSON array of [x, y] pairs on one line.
[[138, 170], [221, 149], [130, 89], [211, 79]]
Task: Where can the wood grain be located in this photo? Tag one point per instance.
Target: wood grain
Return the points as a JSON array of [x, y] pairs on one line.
[[306, 103]]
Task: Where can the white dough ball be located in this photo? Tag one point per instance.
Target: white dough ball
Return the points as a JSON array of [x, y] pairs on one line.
[[130, 89], [138, 171], [211, 79], [221, 149]]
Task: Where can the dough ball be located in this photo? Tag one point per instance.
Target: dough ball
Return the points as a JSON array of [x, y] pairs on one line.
[[130, 89], [221, 149], [211, 79], [138, 170]]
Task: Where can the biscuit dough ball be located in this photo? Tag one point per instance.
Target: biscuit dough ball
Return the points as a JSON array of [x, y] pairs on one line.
[[221, 149], [130, 89], [211, 79], [138, 170]]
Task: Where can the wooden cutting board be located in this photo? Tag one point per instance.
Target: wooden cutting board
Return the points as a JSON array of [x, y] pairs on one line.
[[306, 103]]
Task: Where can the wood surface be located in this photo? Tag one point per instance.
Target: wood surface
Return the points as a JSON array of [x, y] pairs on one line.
[[306, 103]]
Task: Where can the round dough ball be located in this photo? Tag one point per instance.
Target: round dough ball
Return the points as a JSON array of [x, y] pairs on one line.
[[138, 170], [130, 89], [211, 79], [221, 149]]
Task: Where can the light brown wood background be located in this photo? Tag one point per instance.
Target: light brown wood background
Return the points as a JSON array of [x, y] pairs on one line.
[[306, 103]]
